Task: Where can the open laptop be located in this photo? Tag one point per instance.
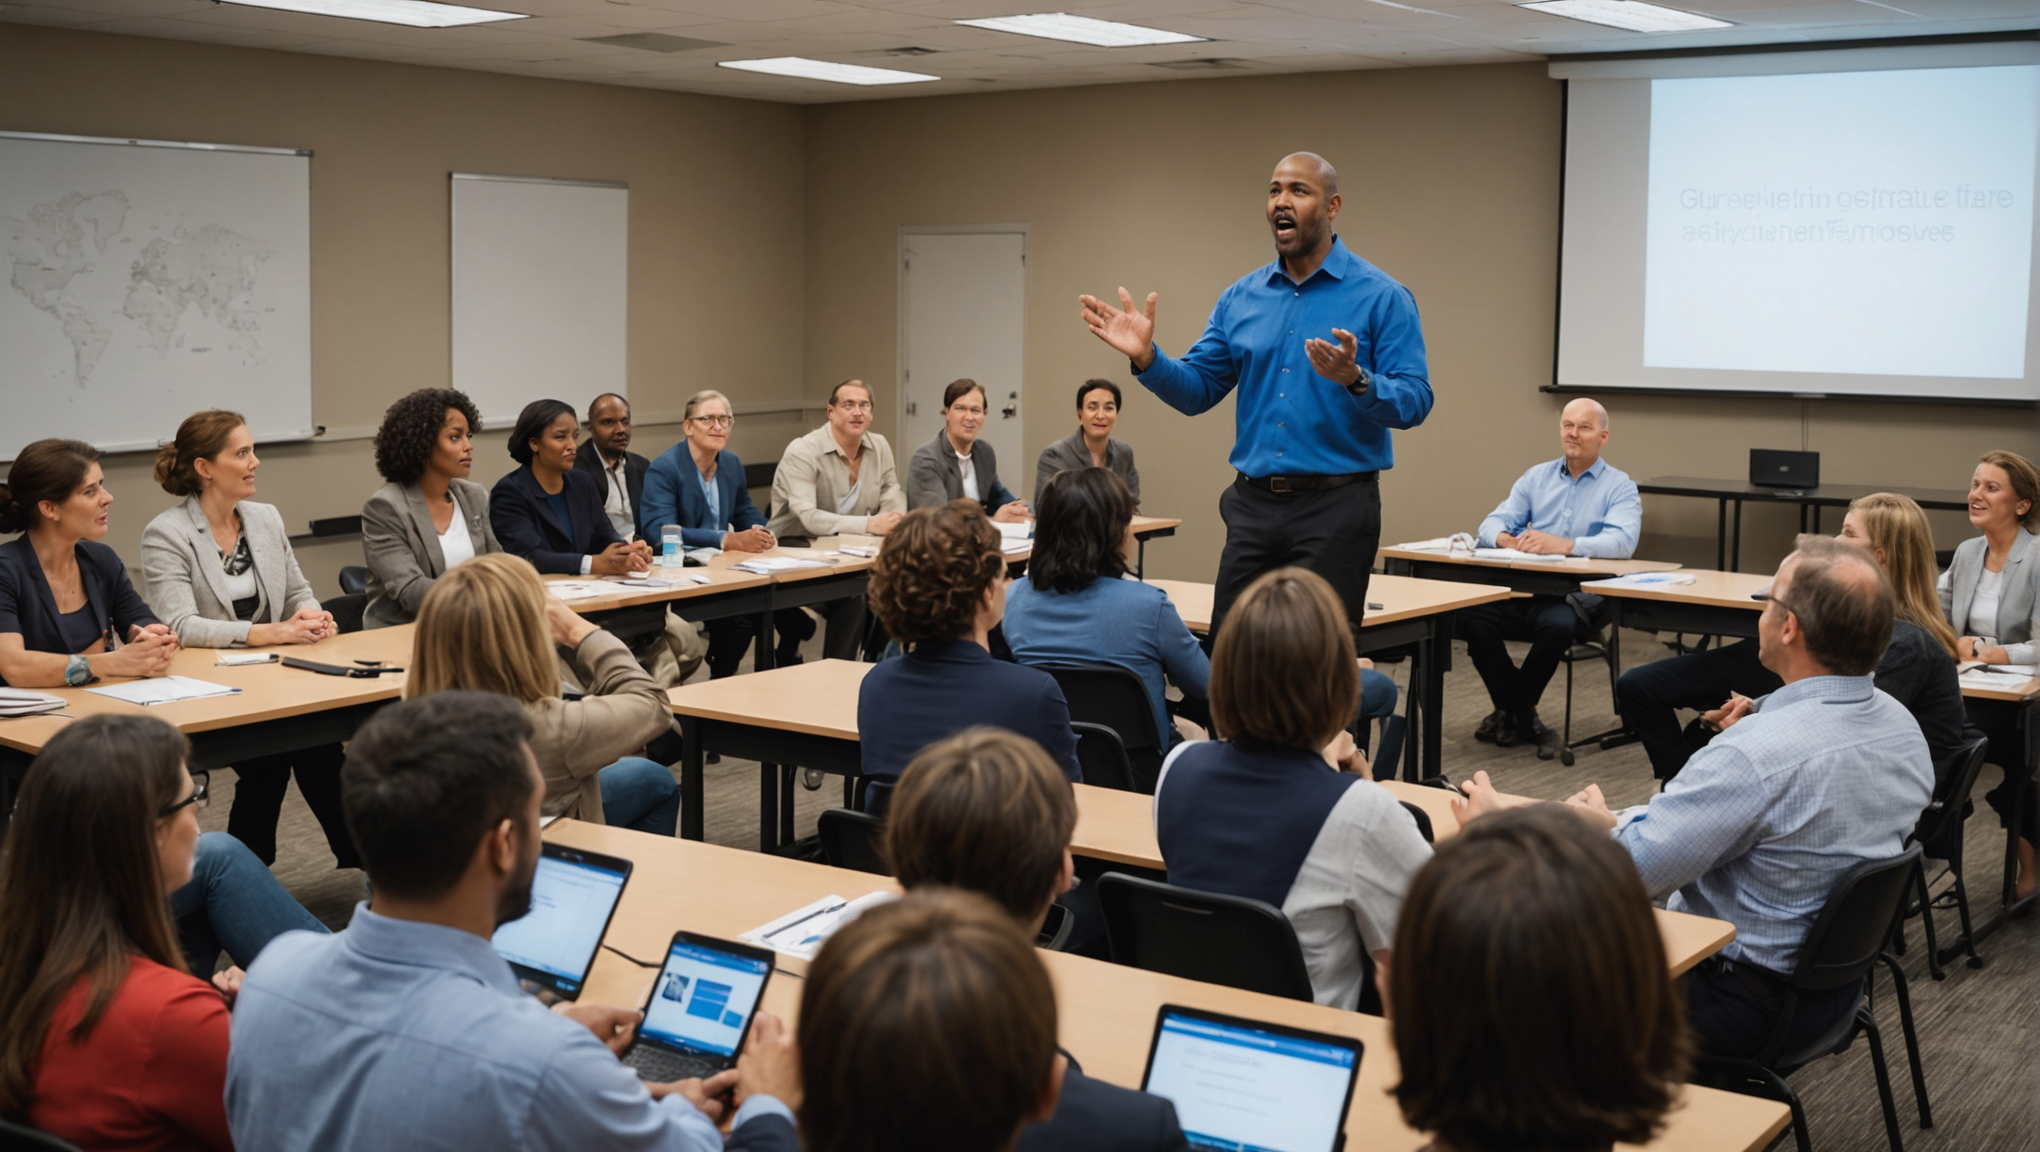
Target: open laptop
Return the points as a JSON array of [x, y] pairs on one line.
[[573, 895], [699, 1010], [1245, 1084]]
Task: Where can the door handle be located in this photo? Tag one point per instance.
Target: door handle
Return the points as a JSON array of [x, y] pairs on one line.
[[1013, 409]]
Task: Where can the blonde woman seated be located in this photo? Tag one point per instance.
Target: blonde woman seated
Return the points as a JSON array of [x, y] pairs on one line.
[[489, 626]]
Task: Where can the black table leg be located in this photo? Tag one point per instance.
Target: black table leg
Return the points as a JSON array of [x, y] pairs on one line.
[[768, 807], [1735, 553], [1433, 671], [761, 652], [692, 794], [1721, 535], [787, 784], [1139, 559]]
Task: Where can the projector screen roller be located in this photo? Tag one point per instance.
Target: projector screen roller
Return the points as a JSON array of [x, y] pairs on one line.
[[1820, 228]]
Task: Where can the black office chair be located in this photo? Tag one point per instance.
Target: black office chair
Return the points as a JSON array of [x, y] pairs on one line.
[[1204, 936], [1943, 818], [347, 610], [1422, 818], [1844, 945], [21, 1138], [852, 840], [1102, 757], [873, 795], [353, 578], [1114, 697]]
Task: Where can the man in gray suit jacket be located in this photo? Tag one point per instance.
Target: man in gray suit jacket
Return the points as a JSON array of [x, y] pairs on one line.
[[956, 465]]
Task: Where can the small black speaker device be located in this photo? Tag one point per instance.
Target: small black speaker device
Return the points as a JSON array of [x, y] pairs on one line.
[[1773, 468]]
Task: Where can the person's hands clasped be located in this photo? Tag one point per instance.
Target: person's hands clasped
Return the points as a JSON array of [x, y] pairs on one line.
[[1724, 717], [620, 559], [613, 1026], [1339, 363], [1129, 332], [1541, 543], [1016, 512], [147, 653], [567, 626], [308, 626], [757, 539], [1593, 806]]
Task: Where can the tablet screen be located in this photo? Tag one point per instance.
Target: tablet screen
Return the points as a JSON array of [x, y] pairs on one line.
[[1236, 1085], [572, 896], [704, 997]]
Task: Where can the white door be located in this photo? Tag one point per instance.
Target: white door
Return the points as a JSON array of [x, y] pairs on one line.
[[963, 313]]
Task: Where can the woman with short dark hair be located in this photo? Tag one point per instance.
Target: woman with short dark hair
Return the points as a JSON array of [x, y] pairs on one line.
[[428, 517], [1091, 445], [1532, 1005], [1263, 812], [939, 587], [548, 511]]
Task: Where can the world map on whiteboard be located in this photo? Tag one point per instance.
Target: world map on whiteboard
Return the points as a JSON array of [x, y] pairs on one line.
[[101, 270]]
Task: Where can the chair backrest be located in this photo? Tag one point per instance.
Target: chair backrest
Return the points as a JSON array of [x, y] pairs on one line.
[[1855, 923], [1228, 940], [1102, 757], [1954, 779], [1113, 696], [851, 840], [347, 610], [21, 1138], [874, 795], [353, 578]]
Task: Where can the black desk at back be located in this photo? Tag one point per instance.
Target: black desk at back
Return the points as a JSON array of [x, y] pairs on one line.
[[1728, 555]]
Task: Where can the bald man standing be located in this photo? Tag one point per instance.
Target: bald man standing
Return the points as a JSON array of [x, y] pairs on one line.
[[1577, 505], [1328, 355]]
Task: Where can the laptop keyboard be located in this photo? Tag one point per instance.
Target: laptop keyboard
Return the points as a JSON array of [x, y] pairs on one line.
[[661, 1065]]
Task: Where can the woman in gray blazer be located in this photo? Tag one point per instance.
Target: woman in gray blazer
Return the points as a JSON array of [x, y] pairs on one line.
[[1091, 445], [1991, 593], [221, 574], [936, 475], [430, 516]]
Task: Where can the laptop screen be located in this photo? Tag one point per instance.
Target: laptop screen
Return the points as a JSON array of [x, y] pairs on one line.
[[704, 997], [572, 896], [1237, 1084]]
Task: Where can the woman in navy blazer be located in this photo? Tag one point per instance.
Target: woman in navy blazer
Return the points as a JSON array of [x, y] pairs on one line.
[[699, 485], [66, 604], [549, 512]]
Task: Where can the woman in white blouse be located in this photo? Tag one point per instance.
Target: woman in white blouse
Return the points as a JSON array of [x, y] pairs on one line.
[[430, 517], [222, 574], [1991, 593]]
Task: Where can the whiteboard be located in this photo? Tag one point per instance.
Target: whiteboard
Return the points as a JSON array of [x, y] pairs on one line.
[[147, 280], [540, 291]]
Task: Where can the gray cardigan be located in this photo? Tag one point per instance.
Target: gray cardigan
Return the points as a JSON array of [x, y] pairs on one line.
[[188, 588], [1070, 452], [2018, 618], [402, 547]]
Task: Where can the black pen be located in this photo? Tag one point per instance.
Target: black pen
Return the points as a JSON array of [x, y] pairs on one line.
[[837, 907]]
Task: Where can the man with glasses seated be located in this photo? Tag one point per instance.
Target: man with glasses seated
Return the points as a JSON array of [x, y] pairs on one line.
[[839, 480]]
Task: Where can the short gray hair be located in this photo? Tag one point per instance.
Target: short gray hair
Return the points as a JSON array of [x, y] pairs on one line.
[[1844, 602], [703, 397]]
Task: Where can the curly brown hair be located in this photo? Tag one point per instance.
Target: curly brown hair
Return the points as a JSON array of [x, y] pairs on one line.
[[410, 429], [933, 571]]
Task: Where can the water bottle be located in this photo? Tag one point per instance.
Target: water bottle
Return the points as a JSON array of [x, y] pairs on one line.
[[669, 541]]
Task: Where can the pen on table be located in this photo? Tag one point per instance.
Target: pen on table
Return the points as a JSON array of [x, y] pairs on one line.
[[837, 907]]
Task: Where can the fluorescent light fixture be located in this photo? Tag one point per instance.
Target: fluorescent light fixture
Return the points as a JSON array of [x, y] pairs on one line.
[[1082, 30], [1630, 15], [803, 68], [414, 13]]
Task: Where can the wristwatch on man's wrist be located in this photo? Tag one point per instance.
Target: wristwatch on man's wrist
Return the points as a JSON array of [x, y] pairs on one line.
[[77, 670], [1359, 387]]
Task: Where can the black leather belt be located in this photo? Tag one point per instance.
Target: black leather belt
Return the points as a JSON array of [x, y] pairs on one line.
[[1285, 485], [1760, 982]]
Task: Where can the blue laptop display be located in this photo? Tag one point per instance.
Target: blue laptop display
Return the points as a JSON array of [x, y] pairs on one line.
[[1246, 1086], [573, 895]]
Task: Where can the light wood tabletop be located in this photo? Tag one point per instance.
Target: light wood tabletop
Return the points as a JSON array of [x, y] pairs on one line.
[[267, 691], [827, 549], [683, 587], [1119, 827], [1400, 597], [1144, 525], [819, 699], [1709, 588], [1577, 565], [1107, 1012]]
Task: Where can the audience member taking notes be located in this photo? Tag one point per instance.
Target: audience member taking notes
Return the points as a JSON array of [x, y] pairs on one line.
[[220, 567], [407, 1030], [428, 516], [619, 472], [1280, 808], [1091, 445], [956, 465], [550, 512], [939, 587], [1577, 505]]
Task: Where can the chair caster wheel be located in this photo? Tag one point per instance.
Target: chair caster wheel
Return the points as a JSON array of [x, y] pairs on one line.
[[1565, 757], [1974, 961]]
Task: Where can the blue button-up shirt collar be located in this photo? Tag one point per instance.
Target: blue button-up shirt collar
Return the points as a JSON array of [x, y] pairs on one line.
[[1599, 510]]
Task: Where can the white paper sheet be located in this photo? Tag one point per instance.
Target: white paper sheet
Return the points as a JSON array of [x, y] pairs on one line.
[[578, 589], [164, 690], [237, 659], [803, 931], [1515, 554]]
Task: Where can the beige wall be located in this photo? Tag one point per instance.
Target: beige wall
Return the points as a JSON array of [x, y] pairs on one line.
[[715, 230], [1451, 180]]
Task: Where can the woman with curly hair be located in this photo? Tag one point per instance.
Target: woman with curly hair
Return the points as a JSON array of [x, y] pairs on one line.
[[939, 587], [430, 517]]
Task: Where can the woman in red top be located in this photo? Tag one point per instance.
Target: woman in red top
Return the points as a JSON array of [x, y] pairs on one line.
[[108, 1041]]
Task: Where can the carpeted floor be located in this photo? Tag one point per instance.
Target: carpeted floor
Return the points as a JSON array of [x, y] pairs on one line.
[[1979, 1029]]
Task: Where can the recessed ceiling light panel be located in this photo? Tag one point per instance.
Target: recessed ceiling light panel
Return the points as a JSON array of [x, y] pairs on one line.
[[803, 68], [1082, 30], [413, 13], [1629, 15]]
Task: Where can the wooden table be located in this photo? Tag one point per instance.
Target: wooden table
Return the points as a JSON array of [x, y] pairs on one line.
[[1144, 529], [278, 709], [803, 715], [1107, 1012], [1118, 827], [1539, 577], [1413, 612]]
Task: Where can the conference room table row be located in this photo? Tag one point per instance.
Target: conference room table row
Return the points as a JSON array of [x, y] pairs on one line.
[[1107, 1011]]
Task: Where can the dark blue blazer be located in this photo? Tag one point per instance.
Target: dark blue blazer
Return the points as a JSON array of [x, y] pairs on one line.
[[28, 607], [673, 495], [1094, 1116], [768, 1133], [938, 690], [526, 525]]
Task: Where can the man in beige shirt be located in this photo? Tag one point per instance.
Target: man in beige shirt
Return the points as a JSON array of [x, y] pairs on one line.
[[838, 480]]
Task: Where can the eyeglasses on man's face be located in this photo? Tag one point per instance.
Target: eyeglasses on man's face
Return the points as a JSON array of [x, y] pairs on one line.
[[714, 421], [200, 781]]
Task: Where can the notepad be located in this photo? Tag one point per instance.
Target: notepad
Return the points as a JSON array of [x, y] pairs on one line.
[[640, 581], [803, 931], [164, 690], [20, 702], [1514, 554], [1656, 578], [1016, 544], [1990, 678], [237, 659], [1020, 531], [578, 589], [767, 565]]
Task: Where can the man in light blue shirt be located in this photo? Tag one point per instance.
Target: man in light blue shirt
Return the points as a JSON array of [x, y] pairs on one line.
[[1577, 505], [408, 1031], [1805, 784], [1328, 356]]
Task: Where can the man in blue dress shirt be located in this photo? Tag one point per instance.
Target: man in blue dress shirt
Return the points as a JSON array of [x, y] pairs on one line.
[[1577, 505], [1328, 355]]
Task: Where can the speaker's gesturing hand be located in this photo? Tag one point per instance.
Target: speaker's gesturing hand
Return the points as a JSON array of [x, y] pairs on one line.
[[1336, 362], [1130, 332]]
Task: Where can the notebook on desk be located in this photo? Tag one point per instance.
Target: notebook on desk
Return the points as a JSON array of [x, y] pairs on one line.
[[1247, 1084]]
